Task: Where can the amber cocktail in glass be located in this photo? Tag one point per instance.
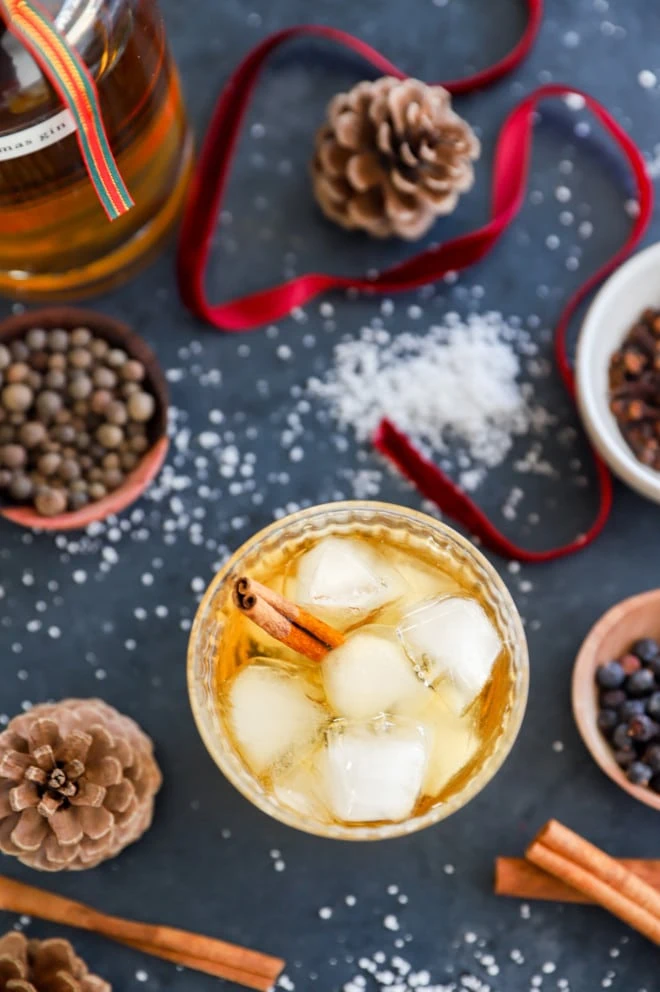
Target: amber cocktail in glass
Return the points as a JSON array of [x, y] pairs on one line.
[[401, 724]]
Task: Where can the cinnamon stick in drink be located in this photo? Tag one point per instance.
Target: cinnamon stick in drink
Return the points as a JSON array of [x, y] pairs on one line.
[[285, 621], [520, 879], [584, 867]]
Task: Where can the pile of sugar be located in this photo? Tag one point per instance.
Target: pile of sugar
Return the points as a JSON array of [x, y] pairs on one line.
[[453, 389]]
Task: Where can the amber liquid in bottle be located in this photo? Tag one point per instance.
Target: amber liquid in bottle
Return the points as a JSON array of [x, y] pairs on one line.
[[55, 239]]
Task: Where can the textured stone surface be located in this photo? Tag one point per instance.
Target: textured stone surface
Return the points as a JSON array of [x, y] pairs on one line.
[[115, 604]]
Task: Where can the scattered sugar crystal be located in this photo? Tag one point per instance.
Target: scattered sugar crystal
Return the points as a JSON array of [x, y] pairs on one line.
[[392, 890], [325, 912], [647, 79], [391, 922], [350, 900]]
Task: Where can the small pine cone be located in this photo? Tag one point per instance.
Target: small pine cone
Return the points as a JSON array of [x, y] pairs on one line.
[[77, 784], [391, 157], [44, 966]]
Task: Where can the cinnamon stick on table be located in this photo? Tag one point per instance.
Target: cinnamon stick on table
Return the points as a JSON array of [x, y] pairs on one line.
[[285, 621], [584, 867], [214, 957], [523, 880]]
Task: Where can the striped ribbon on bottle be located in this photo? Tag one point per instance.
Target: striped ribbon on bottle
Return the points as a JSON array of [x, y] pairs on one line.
[[65, 70]]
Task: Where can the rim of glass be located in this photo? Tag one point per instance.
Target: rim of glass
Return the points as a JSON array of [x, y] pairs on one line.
[[240, 777]]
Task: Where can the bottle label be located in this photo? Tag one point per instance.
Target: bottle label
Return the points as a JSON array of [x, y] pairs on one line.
[[32, 139]]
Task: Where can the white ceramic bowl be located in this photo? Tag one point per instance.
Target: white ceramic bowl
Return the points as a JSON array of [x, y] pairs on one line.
[[632, 288]]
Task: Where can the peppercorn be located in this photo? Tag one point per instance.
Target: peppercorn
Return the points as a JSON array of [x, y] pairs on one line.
[[49, 464], [78, 500], [55, 379], [50, 502], [99, 348], [104, 378], [5, 356], [80, 387], [141, 406], [19, 351], [97, 491], [132, 370], [17, 398], [610, 675], [58, 340], [646, 649], [116, 358], [34, 380], [80, 337], [69, 470], [607, 720], [36, 339], [57, 362], [624, 758], [639, 774], [115, 413], [631, 708], [80, 358], [642, 728], [651, 757], [128, 461], [112, 478], [48, 404], [653, 707], [18, 372], [109, 435], [39, 361], [100, 400], [20, 487], [640, 683], [13, 456]]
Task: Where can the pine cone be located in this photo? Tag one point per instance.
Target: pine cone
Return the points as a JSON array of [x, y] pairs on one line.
[[391, 157], [44, 966], [77, 784]]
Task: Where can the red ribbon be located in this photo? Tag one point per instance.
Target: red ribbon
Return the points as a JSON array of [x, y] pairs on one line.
[[509, 181]]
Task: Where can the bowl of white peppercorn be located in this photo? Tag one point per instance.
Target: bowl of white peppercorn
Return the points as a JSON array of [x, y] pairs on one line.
[[83, 418]]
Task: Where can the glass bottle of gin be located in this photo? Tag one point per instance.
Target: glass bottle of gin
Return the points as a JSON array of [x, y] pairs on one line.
[[55, 239]]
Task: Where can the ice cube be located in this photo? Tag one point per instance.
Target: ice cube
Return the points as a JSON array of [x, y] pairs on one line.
[[451, 638], [453, 741], [298, 788], [374, 770], [344, 581], [271, 715], [369, 674]]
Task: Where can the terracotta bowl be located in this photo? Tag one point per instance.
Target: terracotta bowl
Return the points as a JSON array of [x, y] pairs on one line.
[[609, 638], [121, 336]]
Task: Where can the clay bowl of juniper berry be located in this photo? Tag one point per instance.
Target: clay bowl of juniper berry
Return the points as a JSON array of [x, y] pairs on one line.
[[612, 637], [135, 482]]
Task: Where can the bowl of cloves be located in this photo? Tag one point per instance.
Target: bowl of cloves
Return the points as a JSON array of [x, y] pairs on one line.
[[618, 372], [83, 417]]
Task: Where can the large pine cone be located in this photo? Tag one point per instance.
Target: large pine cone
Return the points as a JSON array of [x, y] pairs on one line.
[[44, 966], [77, 784], [391, 157]]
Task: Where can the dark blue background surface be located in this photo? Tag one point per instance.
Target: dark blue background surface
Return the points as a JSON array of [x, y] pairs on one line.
[[207, 862]]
